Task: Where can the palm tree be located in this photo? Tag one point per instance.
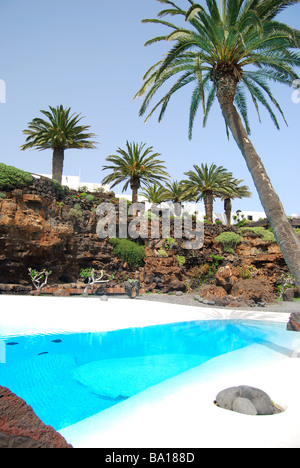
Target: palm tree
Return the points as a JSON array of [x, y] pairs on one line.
[[229, 192], [206, 183], [155, 194], [60, 132], [226, 51], [175, 193], [137, 165]]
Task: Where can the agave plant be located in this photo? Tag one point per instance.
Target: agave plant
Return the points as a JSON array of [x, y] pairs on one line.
[[225, 52], [60, 132]]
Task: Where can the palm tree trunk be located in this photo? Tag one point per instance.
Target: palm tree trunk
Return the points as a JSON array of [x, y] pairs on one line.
[[227, 209], [208, 204], [57, 164], [135, 185], [284, 234]]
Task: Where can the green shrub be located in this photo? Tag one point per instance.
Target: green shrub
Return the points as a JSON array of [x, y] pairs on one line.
[[242, 222], [128, 251], [162, 253], [114, 241], [75, 212], [230, 241], [11, 177], [2, 195], [169, 242], [90, 198], [216, 258], [59, 189], [181, 260], [245, 273], [265, 234]]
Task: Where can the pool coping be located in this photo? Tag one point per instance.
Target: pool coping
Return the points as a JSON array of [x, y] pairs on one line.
[[178, 412]]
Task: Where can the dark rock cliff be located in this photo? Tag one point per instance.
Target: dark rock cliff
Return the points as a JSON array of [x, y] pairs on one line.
[[43, 227]]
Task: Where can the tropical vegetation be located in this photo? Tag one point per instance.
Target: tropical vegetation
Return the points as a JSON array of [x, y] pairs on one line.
[[206, 183], [154, 194], [176, 194], [229, 240], [231, 190], [61, 131], [136, 165], [227, 51], [11, 177], [128, 251]]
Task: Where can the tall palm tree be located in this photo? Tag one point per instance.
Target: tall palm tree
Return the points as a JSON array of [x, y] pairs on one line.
[[226, 52], [136, 166], [206, 183], [230, 191], [60, 132]]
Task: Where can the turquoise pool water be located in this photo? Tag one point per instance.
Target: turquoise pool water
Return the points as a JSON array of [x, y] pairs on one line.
[[69, 377]]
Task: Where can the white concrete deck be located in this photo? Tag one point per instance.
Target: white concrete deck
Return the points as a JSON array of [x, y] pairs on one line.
[[180, 411]]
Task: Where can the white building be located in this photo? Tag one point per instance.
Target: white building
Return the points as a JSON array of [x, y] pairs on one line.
[[74, 182]]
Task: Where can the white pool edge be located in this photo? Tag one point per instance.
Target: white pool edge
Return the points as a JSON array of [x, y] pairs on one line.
[[178, 412]]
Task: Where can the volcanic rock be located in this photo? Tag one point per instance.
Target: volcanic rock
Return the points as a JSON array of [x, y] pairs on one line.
[[255, 289], [227, 276], [21, 428], [294, 322]]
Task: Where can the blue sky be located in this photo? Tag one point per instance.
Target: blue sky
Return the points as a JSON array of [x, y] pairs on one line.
[[90, 56]]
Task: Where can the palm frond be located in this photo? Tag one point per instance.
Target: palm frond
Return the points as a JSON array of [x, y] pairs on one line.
[[135, 162], [60, 131], [241, 103], [234, 38]]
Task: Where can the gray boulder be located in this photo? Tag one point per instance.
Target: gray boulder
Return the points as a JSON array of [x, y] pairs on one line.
[[226, 398], [246, 400], [259, 399], [244, 406]]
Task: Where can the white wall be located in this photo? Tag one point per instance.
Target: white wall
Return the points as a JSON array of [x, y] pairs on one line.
[[74, 182]]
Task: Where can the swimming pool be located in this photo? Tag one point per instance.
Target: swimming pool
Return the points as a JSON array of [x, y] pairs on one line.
[[68, 377]]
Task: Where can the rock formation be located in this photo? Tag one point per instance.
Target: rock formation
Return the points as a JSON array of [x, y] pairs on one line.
[[45, 227], [21, 428], [294, 322]]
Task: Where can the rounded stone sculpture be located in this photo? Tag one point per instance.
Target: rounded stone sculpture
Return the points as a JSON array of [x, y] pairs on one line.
[[245, 400]]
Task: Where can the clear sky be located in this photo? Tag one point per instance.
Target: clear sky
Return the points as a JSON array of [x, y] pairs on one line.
[[90, 56]]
